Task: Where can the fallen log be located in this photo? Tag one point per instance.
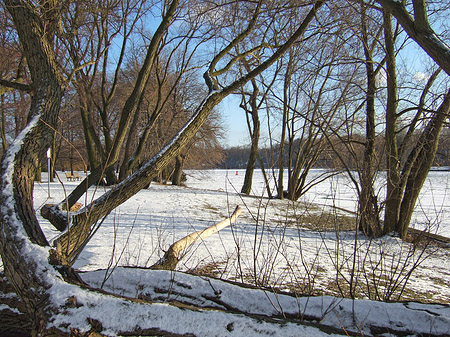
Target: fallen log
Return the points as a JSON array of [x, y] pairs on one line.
[[172, 256]]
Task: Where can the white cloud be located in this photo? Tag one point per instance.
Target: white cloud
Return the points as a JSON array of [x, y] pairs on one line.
[[381, 78], [421, 77]]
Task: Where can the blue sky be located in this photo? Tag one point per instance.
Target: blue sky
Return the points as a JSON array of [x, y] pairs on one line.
[[235, 123]]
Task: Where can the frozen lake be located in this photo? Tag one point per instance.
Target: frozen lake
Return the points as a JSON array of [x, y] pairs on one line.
[[432, 209]]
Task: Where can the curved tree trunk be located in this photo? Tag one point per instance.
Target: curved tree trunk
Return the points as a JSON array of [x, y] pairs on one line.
[[19, 225], [52, 302]]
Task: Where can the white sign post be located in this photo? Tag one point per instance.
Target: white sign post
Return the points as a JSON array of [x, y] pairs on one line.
[[49, 155]]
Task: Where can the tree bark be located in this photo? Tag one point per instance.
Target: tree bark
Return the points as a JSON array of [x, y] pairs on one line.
[[19, 225], [3, 126]]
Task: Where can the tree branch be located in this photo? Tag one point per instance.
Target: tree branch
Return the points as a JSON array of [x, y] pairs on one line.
[[420, 15], [420, 31], [9, 85]]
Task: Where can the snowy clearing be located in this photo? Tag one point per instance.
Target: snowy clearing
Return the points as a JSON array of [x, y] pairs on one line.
[[260, 248], [275, 245]]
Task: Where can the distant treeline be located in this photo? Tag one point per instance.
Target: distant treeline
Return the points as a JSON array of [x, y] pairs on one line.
[[237, 157]]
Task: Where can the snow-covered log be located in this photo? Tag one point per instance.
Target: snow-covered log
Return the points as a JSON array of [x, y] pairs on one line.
[[326, 313]]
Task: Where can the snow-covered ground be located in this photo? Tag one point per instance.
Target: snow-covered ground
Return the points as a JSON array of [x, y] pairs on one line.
[[273, 244], [268, 245]]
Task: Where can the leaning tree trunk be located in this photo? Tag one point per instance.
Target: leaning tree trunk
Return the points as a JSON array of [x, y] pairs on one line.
[[70, 244], [170, 259], [422, 156], [419, 30]]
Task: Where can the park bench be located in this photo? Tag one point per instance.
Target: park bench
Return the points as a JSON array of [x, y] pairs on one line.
[[72, 177]]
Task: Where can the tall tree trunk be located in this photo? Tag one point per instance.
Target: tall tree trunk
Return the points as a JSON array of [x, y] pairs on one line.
[[367, 203], [3, 127], [265, 177], [91, 139], [254, 131], [178, 172], [286, 84], [417, 166], [394, 188], [248, 179], [126, 167]]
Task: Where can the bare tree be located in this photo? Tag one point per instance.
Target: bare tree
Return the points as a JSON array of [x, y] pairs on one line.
[[24, 247], [252, 102], [313, 98], [404, 183]]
